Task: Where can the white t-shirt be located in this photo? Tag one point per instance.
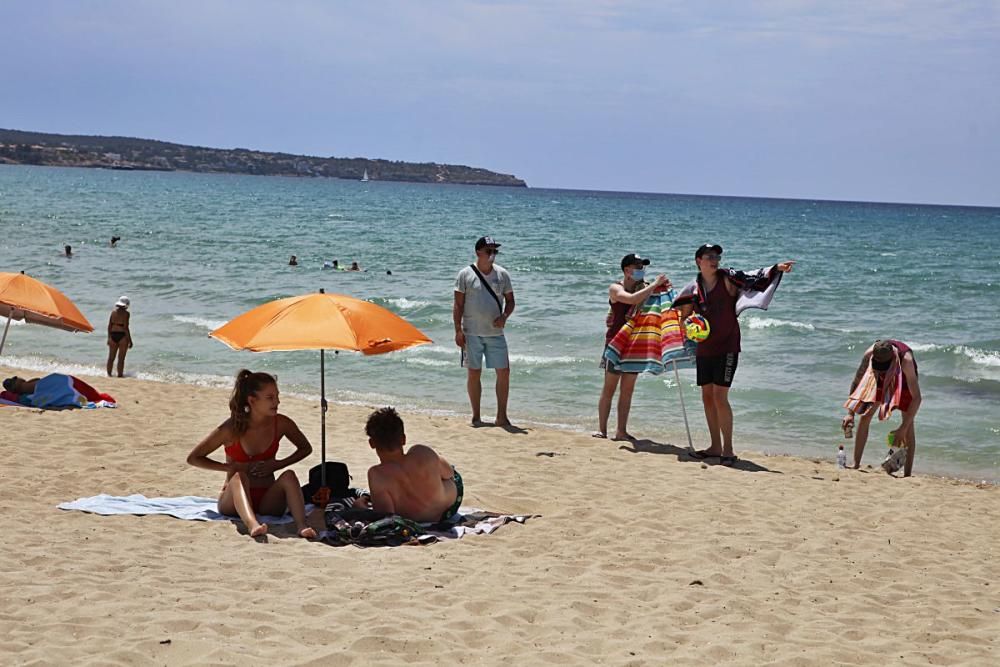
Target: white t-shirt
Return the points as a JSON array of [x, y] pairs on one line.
[[480, 306]]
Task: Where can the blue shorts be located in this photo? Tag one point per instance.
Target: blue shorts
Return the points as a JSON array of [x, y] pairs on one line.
[[494, 348]]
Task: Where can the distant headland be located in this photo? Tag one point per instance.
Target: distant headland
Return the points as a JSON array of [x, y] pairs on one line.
[[63, 150]]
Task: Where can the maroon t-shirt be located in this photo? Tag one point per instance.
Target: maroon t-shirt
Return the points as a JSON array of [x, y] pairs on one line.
[[616, 319], [724, 328]]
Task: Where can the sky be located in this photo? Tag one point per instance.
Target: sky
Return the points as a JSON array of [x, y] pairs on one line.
[[872, 100]]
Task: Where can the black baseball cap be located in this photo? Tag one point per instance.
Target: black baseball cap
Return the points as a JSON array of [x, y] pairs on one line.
[[486, 241], [716, 248], [632, 259]]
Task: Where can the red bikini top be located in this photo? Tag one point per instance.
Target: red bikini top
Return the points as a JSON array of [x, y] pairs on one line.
[[236, 452]]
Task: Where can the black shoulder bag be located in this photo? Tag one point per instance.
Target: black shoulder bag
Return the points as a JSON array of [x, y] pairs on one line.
[[489, 289]]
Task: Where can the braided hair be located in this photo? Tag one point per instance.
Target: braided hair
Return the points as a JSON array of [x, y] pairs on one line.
[[247, 384]]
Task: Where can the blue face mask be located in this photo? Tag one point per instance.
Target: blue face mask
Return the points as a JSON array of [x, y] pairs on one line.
[[638, 274]]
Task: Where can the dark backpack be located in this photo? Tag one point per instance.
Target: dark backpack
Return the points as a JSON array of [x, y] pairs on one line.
[[338, 480]]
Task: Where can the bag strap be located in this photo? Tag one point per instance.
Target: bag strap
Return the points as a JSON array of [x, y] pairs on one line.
[[489, 289]]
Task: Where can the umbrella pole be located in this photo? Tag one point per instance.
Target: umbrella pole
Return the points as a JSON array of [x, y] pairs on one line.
[[4, 339], [680, 392], [322, 409]]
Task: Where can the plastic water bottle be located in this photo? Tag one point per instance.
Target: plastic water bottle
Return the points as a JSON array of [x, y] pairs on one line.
[[841, 457]]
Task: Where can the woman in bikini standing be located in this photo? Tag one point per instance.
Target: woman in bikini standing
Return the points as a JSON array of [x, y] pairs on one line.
[[119, 335], [250, 438]]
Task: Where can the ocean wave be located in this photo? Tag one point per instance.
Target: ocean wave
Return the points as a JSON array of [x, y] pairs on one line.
[[769, 323], [990, 358], [428, 349], [46, 366], [982, 357], [202, 322], [407, 304], [423, 361], [926, 347], [535, 360], [418, 355]]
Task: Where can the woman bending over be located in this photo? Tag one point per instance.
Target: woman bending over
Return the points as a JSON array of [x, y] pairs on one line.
[[250, 439]]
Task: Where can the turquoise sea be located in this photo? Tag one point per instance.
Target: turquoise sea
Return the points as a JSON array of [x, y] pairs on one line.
[[197, 250]]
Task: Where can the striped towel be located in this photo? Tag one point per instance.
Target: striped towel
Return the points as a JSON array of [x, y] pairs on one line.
[[865, 395], [651, 339]]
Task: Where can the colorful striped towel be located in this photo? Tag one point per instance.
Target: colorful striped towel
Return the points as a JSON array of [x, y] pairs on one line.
[[865, 395], [651, 339]]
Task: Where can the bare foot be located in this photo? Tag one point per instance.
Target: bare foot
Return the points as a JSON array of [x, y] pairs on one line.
[[501, 422], [261, 529], [624, 436], [598, 434], [307, 533], [477, 422]]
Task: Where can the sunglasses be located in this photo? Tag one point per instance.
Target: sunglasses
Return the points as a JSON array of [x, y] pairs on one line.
[[491, 251], [711, 256]]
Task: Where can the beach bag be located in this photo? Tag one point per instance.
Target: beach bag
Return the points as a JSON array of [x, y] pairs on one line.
[[338, 480], [376, 530]]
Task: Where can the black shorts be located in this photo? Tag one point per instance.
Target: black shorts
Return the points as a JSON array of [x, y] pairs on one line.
[[717, 370]]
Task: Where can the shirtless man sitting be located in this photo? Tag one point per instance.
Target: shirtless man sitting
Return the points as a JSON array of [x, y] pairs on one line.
[[416, 484]]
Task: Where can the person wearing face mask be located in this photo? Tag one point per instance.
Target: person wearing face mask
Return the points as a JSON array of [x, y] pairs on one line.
[[484, 300], [720, 295], [623, 298]]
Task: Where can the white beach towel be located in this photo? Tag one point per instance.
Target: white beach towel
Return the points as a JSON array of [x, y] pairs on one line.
[[189, 508], [474, 521]]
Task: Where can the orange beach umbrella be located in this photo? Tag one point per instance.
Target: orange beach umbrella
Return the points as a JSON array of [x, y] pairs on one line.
[[24, 298], [320, 321]]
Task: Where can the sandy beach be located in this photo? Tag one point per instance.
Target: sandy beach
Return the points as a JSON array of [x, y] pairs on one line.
[[640, 555]]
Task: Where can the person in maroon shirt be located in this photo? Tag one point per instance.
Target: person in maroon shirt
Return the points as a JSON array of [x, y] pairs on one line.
[[719, 354], [880, 356], [622, 297]]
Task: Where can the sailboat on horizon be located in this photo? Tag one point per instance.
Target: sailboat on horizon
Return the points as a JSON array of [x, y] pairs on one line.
[[364, 177]]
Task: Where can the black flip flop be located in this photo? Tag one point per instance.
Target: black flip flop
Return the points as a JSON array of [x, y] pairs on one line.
[[728, 461], [702, 454]]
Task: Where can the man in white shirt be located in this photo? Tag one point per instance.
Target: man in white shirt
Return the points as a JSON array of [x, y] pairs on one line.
[[484, 300]]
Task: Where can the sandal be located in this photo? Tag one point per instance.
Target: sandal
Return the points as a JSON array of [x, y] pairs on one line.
[[728, 461], [702, 454]]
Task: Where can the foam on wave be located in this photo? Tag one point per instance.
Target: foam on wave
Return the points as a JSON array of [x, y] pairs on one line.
[[770, 323], [201, 322]]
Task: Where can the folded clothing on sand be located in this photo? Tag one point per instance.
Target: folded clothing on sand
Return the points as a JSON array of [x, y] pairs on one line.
[[367, 528]]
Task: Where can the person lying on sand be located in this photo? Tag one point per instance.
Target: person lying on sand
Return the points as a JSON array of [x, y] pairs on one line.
[[250, 437], [417, 484], [17, 385]]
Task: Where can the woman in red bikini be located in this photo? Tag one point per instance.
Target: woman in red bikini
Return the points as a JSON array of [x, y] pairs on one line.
[[250, 437]]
